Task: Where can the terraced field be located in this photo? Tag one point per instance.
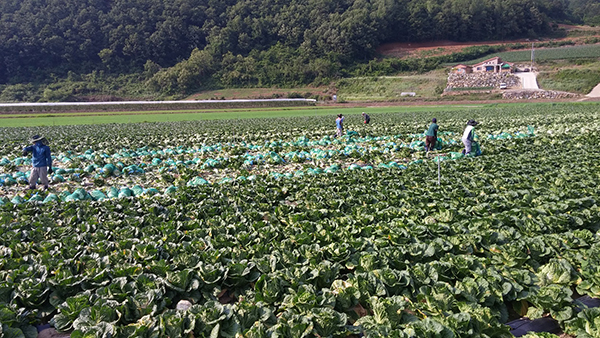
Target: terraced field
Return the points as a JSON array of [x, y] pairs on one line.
[[544, 54]]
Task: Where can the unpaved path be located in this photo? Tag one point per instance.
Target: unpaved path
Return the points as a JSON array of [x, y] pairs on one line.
[[528, 80], [595, 92]]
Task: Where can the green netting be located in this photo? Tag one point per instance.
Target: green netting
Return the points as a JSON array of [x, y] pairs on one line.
[[196, 181], [57, 178], [170, 190], [108, 170], [276, 175], [137, 190], [97, 195], [332, 169], [63, 195], [417, 145], [125, 192], [152, 191], [132, 170], [456, 155], [17, 200], [275, 158], [36, 198], [393, 164], [210, 163], [475, 149], [10, 181], [113, 192], [73, 197], [51, 198], [83, 195]]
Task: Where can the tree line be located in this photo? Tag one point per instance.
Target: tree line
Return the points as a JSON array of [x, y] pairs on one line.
[[183, 45], [584, 11]]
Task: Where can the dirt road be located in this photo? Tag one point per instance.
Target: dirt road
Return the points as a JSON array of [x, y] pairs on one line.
[[528, 80], [595, 92]]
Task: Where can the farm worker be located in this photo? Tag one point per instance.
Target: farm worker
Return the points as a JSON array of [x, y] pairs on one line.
[[40, 159], [431, 135], [469, 135], [366, 117], [339, 123]]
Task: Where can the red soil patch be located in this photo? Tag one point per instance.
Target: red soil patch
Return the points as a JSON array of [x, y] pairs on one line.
[[444, 47], [402, 49]]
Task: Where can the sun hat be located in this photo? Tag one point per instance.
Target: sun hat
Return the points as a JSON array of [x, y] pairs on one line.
[[472, 123], [36, 138]]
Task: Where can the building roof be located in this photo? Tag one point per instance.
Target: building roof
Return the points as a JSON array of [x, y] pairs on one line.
[[497, 58]]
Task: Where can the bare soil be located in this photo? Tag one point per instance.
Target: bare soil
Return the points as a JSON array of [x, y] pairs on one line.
[[445, 47]]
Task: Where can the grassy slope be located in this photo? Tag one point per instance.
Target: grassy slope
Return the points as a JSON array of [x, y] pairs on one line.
[[564, 75], [545, 54], [267, 93], [385, 88]]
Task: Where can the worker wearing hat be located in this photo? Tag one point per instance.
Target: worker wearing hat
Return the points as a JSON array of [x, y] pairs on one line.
[[41, 160], [431, 135], [469, 136], [366, 117]]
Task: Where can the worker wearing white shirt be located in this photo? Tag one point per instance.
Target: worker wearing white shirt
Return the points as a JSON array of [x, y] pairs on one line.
[[469, 135]]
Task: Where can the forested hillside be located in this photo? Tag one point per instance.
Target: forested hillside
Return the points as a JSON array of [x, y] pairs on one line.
[[238, 42], [585, 11]]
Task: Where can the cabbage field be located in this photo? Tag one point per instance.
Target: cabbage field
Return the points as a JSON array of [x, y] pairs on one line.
[[274, 228]]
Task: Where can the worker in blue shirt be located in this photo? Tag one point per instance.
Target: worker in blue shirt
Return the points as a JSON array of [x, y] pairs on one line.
[[339, 123], [41, 160]]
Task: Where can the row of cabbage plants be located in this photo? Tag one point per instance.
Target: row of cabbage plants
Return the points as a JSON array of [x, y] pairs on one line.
[[381, 252], [308, 158]]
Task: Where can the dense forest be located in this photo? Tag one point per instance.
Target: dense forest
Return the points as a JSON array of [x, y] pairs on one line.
[[584, 11], [183, 45]]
